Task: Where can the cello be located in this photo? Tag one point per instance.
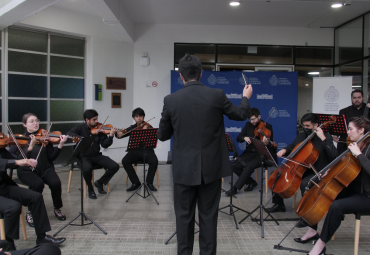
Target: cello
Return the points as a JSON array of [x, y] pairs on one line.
[[286, 180], [341, 172]]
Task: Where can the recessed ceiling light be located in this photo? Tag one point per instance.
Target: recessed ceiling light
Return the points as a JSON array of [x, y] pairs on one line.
[[176, 68], [307, 85], [314, 73], [234, 3], [336, 5]]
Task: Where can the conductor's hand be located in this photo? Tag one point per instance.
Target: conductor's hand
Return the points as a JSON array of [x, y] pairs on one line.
[[113, 130], [248, 91], [247, 139], [281, 153], [26, 162]]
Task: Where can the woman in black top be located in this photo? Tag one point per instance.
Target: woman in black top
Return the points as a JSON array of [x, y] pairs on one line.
[[44, 173], [356, 197]]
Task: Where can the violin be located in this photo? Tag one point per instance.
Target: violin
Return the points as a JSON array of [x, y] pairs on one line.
[[6, 141], [53, 137], [143, 125], [104, 129], [140, 126], [262, 131]]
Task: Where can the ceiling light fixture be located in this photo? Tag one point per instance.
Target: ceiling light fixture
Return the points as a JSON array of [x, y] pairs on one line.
[[314, 73], [234, 3], [336, 5]]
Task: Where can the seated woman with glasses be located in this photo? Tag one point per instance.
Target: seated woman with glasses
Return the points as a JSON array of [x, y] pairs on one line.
[[44, 173]]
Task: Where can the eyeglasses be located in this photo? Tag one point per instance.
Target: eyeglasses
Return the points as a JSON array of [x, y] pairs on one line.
[[33, 121]]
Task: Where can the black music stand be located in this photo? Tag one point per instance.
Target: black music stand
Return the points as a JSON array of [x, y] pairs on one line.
[[174, 233], [79, 151], [140, 140], [231, 147], [339, 128], [266, 159]]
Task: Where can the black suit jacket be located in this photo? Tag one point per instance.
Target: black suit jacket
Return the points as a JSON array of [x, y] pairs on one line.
[[194, 116]]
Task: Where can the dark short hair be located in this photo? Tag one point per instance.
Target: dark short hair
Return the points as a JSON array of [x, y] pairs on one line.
[[90, 113], [138, 112], [190, 67], [313, 118], [254, 112], [357, 91], [26, 116]]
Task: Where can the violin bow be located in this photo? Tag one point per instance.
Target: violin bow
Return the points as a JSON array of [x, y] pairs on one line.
[[270, 114], [138, 126], [16, 142], [102, 125], [46, 137]]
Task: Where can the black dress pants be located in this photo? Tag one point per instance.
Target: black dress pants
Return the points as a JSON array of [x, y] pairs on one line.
[[36, 182], [10, 206], [133, 157], [253, 161], [44, 249], [207, 196], [102, 161]]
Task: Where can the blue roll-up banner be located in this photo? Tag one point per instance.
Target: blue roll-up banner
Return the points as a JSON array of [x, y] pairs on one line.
[[270, 90]]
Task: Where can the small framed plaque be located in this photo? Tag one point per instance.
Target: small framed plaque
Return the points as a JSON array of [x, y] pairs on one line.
[[116, 100], [116, 83]]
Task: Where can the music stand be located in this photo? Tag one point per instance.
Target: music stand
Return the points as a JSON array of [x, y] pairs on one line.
[[79, 151], [339, 128], [231, 147], [143, 139]]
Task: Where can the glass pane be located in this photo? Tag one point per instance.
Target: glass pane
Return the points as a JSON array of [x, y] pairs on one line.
[[67, 66], [17, 108], [354, 70], [66, 88], [64, 128], [314, 56], [20, 129], [349, 41], [64, 155], [27, 86], [1, 52], [255, 54], [66, 110], [67, 46], [25, 40], [206, 53], [26, 62]]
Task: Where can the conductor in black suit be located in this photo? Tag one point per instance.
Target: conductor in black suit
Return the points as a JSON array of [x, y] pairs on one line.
[[194, 116]]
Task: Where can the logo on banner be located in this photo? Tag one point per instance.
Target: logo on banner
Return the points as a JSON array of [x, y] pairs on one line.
[[331, 94], [242, 82], [265, 96], [233, 130], [242, 146], [212, 80], [274, 80], [180, 81], [234, 96], [273, 113]]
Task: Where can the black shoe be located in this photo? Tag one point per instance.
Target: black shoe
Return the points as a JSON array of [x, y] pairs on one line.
[[134, 186], [251, 186], [322, 252], [231, 192], [11, 247], [299, 240], [51, 240], [151, 187], [92, 194], [58, 213], [29, 219], [100, 188], [301, 224], [276, 208]]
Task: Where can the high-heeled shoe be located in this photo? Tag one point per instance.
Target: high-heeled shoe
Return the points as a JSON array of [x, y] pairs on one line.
[[322, 252], [299, 240]]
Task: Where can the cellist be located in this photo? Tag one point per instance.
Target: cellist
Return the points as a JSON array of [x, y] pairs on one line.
[[327, 153], [356, 197]]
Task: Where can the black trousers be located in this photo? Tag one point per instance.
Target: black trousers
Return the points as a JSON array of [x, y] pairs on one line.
[[36, 182], [253, 161], [11, 208], [207, 196], [44, 249], [88, 162], [346, 203], [133, 157]]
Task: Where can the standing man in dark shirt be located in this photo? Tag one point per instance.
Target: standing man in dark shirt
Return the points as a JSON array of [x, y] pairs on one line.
[[93, 156], [327, 153], [133, 157], [250, 156], [357, 109]]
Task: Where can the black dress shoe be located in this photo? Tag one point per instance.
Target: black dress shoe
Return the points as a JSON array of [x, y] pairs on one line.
[[151, 187], [100, 188], [231, 192], [134, 186], [51, 240], [301, 224], [276, 208], [251, 186], [29, 219], [322, 252], [58, 213], [299, 240], [11, 247], [92, 194]]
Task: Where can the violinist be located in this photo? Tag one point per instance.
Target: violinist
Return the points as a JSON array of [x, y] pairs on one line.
[[356, 197], [44, 173], [133, 157], [93, 156], [250, 156], [327, 153]]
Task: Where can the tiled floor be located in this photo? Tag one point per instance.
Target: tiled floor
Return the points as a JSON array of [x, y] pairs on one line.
[[142, 227]]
